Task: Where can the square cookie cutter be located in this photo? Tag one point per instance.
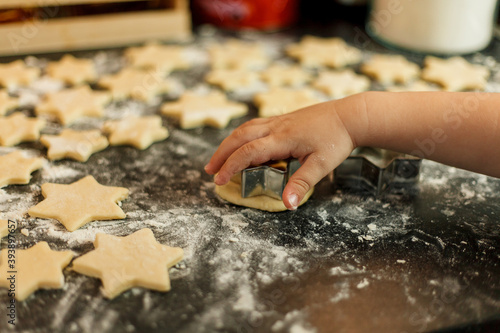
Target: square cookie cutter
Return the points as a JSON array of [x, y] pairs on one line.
[[377, 171], [269, 179]]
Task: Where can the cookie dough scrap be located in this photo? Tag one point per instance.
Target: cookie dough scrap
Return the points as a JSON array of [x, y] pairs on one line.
[[77, 145], [38, 267], [236, 54], [71, 104], [17, 169], [285, 75], [16, 74], [341, 83], [79, 203], [139, 132], [136, 83], [4, 228], [7, 103], [72, 71], [196, 110], [18, 128], [122, 263], [390, 69], [161, 58], [414, 86], [314, 51], [232, 79], [455, 74], [280, 101]]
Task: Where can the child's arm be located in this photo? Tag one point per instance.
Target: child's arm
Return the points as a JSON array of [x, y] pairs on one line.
[[459, 129]]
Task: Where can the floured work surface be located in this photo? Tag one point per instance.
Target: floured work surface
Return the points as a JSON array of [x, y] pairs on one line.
[[428, 260]]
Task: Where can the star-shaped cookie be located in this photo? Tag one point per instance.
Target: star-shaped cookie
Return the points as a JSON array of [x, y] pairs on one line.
[[232, 79], [139, 132], [77, 145], [17, 169], [236, 54], [18, 128], [7, 103], [414, 86], [212, 109], [71, 104], [285, 75], [38, 267], [279, 101], [122, 263], [161, 58], [455, 74], [314, 51], [390, 69], [16, 74], [136, 83], [72, 71], [341, 83], [79, 203]]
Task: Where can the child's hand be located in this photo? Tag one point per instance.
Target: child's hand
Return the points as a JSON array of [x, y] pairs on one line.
[[315, 135]]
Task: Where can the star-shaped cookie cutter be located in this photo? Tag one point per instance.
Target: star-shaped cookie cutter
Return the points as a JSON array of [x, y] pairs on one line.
[[377, 171], [269, 179]]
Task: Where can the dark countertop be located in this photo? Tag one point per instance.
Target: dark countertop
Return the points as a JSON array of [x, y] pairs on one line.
[[344, 262]]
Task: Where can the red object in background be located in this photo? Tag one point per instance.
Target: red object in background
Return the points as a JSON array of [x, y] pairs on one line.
[[242, 14]]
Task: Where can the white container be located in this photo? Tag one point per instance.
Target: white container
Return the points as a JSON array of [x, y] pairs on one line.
[[433, 26]]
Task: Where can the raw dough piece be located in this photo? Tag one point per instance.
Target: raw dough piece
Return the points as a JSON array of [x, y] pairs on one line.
[[79, 203], [7, 103], [135, 83], [4, 228], [236, 54], [140, 132], [37, 267], [232, 79], [332, 52], [161, 58], [279, 101], [72, 71], [70, 104], [455, 74], [389, 69], [77, 145], [121, 263], [17, 169], [16, 74], [18, 128], [212, 109], [285, 75], [414, 86], [341, 83], [232, 193]]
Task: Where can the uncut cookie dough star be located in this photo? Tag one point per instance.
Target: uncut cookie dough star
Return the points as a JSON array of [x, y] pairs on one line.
[[332, 52], [121, 263], [135, 83], [285, 75], [235, 54], [389, 69], [16, 74], [71, 104], [38, 267], [341, 83], [17, 169], [140, 132], [7, 103], [212, 109], [18, 128], [77, 145], [455, 74], [79, 203], [73, 71], [232, 79], [284, 100], [162, 58]]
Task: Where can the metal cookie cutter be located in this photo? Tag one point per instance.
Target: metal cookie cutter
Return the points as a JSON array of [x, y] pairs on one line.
[[377, 171], [269, 179]]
